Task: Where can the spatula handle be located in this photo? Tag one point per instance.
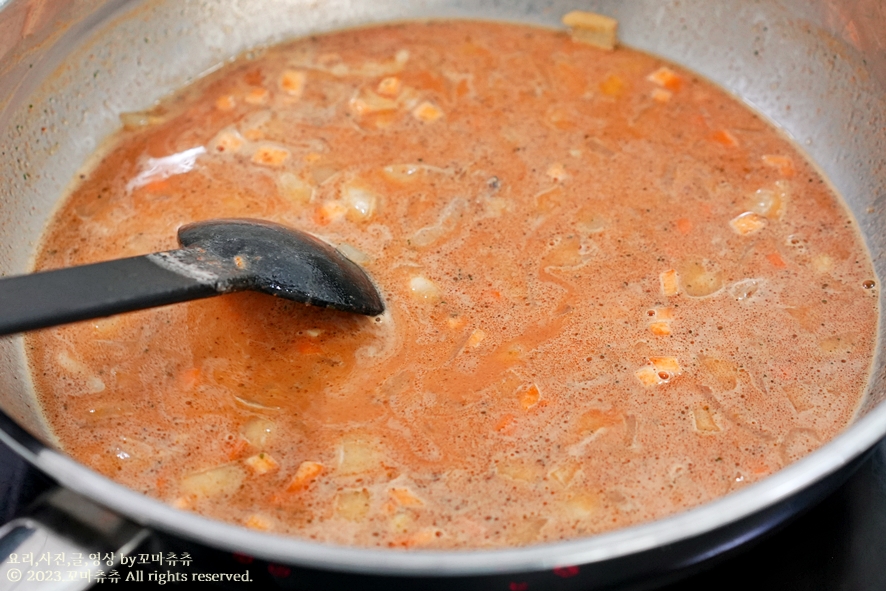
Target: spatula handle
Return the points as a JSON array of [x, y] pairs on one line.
[[67, 295]]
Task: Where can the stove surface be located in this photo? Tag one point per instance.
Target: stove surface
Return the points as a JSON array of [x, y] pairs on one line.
[[839, 544]]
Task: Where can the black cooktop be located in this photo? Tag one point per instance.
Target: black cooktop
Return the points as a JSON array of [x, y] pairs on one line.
[[839, 544]]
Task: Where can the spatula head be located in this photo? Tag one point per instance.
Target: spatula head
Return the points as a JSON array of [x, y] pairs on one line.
[[288, 263]]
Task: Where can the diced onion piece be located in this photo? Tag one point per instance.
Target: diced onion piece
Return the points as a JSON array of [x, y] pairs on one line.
[[557, 172], [270, 155], [564, 473], [524, 471], [747, 223], [292, 82], [294, 188], [821, 263], [258, 431], [723, 371], [359, 454], [593, 29], [704, 420], [670, 285], [226, 102], [423, 289], [662, 314], [745, 289], [217, 481], [262, 463], [361, 203], [367, 102], [139, 120], [401, 522], [306, 473], [257, 96], [700, 279], [259, 522], [427, 112], [784, 164], [770, 203], [405, 497], [475, 339], [666, 78], [660, 95], [660, 329], [529, 396], [354, 254], [401, 173], [389, 86], [581, 506], [227, 141], [254, 134], [352, 505]]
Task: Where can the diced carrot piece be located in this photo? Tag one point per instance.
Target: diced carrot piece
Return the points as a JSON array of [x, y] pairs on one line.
[[660, 371], [784, 164], [262, 463], [505, 423], [747, 223], [668, 364], [190, 378], [238, 448], [593, 29], [529, 396], [157, 186], [308, 348], [684, 225], [427, 112], [405, 498], [329, 212], [292, 82], [256, 96], [389, 86], [725, 138], [612, 85], [666, 78], [312, 157], [660, 95], [660, 329], [225, 102], [306, 473], [259, 522], [270, 156], [776, 260], [669, 283]]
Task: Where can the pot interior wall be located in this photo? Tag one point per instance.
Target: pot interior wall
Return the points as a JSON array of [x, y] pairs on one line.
[[817, 70]]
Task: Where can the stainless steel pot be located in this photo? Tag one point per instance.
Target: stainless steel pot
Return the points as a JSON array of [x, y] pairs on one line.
[[817, 69]]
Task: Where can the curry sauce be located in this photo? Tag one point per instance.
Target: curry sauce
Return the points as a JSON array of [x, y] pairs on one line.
[[613, 292]]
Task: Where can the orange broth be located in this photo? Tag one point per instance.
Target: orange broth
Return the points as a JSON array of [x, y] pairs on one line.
[[613, 293]]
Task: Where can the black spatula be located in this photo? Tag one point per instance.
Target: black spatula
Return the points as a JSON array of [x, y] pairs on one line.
[[217, 257]]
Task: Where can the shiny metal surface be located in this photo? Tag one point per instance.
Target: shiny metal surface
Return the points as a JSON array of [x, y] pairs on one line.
[[816, 69]]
